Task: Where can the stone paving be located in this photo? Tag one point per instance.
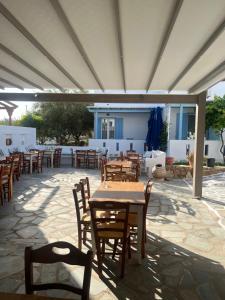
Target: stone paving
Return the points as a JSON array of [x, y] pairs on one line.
[[185, 240]]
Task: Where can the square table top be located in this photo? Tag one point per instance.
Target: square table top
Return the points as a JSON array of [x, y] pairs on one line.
[[132, 192]]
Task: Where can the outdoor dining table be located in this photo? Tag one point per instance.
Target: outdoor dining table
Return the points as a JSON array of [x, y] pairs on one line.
[[98, 154], [132, 192]]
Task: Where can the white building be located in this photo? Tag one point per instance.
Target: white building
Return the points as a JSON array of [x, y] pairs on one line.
[[120, 127], [16, 137]]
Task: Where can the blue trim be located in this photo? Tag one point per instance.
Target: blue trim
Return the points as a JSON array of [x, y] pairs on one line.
[[185, 126], [180, 123], [118, 128], [99, 135], [177, 126], [96, 124]]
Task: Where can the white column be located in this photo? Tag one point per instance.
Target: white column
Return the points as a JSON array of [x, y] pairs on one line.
[[199, 145]]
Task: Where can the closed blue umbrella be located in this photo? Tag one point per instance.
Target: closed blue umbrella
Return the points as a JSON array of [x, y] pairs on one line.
[[155, 124]]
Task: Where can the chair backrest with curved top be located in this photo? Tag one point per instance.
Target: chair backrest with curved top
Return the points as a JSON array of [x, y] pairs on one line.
[[79, 200], [48, 255], [112, 170]]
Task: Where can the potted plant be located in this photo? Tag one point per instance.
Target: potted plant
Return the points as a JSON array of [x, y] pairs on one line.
[[159, 172], [169, 160]]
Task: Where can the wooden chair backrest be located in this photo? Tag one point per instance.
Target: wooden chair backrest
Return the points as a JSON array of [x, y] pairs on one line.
[[79, 201], [111, 170], [85, 190], [108, 218], [47, 255]]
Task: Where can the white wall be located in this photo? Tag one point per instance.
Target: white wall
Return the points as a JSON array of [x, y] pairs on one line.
[[22, 137], [177, 149], [135, 125], [111, 145]]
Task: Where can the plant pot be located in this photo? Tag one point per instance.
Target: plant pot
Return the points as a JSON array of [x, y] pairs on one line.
[[211, 162], [169, 160], [159, 172]]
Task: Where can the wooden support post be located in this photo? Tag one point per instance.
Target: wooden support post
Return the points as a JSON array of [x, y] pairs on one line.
[[199, 145]]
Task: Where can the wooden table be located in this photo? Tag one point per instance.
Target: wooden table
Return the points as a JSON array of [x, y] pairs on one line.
[[4, 296], [124, 163], [132, 192]]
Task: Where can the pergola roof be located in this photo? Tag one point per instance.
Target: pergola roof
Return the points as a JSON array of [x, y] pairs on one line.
[[141, 45]]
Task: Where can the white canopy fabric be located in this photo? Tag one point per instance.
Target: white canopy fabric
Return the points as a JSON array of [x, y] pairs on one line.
[[101, 45]]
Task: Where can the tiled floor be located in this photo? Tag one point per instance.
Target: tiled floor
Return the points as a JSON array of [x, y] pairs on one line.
[[185, 239]]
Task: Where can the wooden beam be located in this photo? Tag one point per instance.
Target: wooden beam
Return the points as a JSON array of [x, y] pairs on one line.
[[220, 29], [76, 41], [29, 66], [199, 145], [12, 84], [10, 17], [20, 77], [102, 98], [165, 40], [204, 83], [120, 42]]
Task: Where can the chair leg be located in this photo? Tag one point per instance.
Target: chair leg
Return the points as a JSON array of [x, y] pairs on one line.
[[84, 235], [114, 248], [129, 248], [123, 259], [79, 237], [99, 257]]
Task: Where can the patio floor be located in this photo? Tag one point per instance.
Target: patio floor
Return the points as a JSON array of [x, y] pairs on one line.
[[185, 239]]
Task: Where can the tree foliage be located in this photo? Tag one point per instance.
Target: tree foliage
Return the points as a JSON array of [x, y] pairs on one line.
[[35, 120], [215, 118], [65, 122]]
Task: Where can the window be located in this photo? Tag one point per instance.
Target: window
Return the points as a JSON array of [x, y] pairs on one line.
[[108, 128], [191, 123]]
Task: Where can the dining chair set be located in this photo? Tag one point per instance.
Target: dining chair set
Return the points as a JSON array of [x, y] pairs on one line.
[[108, 221], [86, 159]]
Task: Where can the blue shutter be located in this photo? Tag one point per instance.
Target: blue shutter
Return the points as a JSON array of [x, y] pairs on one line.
[[212, 135], [185, 126], [177, 125], [99, 128], [119, 128]]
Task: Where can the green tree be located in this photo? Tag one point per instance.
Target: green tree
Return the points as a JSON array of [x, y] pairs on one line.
[[36, 121], [66, 122], [215, 118]]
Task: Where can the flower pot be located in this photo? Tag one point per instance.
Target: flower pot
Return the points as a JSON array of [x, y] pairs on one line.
[[159, 172], [169, 160]]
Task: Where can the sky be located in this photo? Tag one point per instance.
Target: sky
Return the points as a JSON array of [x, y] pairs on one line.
[[23, 107]]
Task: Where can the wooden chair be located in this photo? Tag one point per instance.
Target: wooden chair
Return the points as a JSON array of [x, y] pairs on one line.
[[47, 255], [6, 181], [81, 158], [110, 228], [111, 171], [83, 216], [24, 164], [92, 159], [38, 162], [57, 157]]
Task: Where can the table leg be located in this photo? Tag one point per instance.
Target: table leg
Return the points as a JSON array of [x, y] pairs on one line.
[[52, 157], [31, 164], [140, 212], [93, 241]]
